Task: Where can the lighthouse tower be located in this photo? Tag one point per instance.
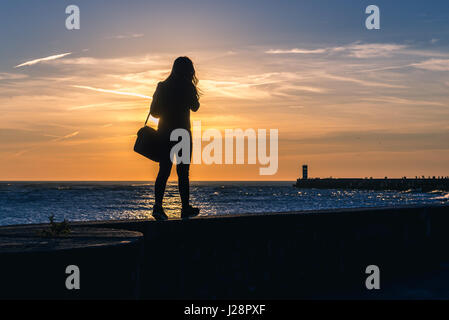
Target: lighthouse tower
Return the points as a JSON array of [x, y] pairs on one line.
[[305, 170]]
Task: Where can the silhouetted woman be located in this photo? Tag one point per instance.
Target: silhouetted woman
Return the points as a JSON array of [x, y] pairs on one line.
[[172, 102]]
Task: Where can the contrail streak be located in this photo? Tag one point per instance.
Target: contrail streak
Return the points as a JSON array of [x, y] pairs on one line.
[[54, 57], [114, 92]]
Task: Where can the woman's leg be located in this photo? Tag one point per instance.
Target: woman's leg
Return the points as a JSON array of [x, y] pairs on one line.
[[182, 169], [183, 183], [187, 210], [161, 181]]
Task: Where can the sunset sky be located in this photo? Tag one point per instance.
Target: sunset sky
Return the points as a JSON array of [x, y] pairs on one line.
[[348, 101]]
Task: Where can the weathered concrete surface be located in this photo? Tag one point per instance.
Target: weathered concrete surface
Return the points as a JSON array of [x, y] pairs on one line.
[[321, 254], [34, 267], [28, 239]]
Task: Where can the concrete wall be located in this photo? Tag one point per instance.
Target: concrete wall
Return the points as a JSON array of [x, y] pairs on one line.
[[294, 255], [283, 255]]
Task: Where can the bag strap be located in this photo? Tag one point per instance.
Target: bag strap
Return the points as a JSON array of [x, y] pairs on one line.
[[148, 117]]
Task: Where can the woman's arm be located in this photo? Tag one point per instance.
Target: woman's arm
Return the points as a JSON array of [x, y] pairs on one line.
[[195, 105]]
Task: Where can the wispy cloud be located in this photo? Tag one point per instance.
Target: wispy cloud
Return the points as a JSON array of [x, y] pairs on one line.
[[433, 41], [357, 50], [128, 36], [373, 50], [404, 101], [87, 106], [137, 61], [11, 76], [296, 50], [109, 106], [303, 88], [433, 65], [57, 139], [67, 136], [35, 61], [113, 92], [232, 89], [362, 82], [383, 69]]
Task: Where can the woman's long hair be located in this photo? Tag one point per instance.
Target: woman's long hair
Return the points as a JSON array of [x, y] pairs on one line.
[[183, 71]]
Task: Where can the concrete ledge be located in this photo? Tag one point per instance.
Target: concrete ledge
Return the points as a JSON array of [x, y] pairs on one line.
[[26, 239], [34, 267]]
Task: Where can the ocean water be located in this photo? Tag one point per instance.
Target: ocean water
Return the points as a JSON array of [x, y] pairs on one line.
[[34, 202]]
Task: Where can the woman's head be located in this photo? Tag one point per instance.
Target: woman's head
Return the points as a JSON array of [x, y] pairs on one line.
[[183, 70]]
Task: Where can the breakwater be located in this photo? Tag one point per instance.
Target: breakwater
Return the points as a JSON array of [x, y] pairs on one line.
[[403, 184], [321, 254]]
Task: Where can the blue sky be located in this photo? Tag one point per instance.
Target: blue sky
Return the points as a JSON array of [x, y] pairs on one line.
[[35, 27], [347, 100]]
